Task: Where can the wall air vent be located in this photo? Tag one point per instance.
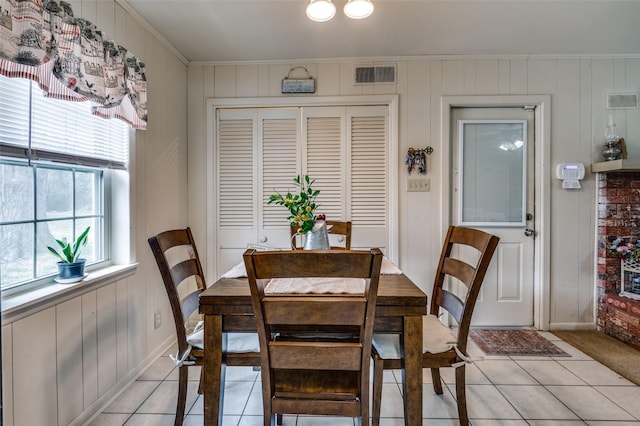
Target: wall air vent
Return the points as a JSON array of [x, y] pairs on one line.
[[378, 74], [622, 100]]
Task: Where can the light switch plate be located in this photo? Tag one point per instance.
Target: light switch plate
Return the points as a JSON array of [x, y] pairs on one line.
[[418, 185]]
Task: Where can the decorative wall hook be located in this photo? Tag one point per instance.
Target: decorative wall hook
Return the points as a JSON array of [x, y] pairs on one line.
[[417, 158]]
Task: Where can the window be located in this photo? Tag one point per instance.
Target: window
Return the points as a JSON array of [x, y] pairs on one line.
[[56, 160]]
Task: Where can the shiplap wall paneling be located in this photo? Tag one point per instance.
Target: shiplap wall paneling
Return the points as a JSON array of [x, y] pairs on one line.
[[632, 124], [328, 79], [225, 81], [69, 360], [122, 329], [7, 375], [107, 338], [567, 97], [35, 395], [89, 348], [197, 159], [487, 77], [416, 106], [421, 273]]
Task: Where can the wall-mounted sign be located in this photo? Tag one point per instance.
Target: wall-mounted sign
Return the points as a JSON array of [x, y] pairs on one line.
[[298, 85]]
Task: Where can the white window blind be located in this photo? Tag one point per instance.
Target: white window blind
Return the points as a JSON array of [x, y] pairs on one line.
[[61, 131], [14, 111]]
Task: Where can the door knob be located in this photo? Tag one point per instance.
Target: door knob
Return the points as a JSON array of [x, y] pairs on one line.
[[263, 239], [529, 232]]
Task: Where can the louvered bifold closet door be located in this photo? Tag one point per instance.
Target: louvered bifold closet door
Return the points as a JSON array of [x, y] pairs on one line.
[[279, 133], [368, 201], [324, 159], [236, 171]]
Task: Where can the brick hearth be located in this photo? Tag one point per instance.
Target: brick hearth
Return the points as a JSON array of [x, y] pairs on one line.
[[618, 216]]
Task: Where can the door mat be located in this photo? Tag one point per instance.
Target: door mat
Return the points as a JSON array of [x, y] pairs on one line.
[[610, 352], [514, 342]]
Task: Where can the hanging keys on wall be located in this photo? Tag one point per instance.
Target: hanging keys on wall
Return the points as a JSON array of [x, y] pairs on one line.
[[417, 160]]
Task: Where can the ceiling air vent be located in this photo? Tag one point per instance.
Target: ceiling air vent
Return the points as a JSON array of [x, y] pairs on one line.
[[381, 74]]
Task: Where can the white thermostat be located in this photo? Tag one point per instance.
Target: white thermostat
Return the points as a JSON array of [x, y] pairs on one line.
[[571, 174]]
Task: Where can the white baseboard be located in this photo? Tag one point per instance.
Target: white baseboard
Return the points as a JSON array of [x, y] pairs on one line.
[[109, 396], [571, 326]]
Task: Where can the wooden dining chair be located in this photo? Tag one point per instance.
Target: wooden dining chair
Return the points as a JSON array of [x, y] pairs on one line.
[[335, 228], [327, 375], [441, 346], [177, 258]]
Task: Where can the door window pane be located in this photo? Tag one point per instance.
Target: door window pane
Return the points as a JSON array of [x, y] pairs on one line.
[[492, 172]]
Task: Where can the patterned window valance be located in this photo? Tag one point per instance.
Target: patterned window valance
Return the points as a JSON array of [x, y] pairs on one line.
[[70, 59]]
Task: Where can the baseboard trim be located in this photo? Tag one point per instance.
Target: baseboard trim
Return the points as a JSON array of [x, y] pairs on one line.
[[571, 326], [109, 396]]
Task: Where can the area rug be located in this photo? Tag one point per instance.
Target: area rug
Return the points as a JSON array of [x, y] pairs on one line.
[[610, 352], [514, 343]]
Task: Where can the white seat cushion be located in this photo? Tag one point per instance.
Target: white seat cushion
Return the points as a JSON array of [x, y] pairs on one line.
[[236, 342], [436, 338]]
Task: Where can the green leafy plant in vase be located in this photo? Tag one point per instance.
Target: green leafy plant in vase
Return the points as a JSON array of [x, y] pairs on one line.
[[301, 206], [71, 266], [302, 215]]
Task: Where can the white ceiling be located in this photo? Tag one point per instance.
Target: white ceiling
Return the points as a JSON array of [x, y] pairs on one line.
[[269, 30]]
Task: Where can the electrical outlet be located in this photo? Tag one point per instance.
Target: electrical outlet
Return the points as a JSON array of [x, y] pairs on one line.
[[419, 185], [157, 319]]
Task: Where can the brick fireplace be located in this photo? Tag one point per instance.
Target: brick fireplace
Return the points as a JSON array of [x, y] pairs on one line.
[[618, 216]]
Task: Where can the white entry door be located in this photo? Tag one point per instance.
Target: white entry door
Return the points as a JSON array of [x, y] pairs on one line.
[[493, 190]]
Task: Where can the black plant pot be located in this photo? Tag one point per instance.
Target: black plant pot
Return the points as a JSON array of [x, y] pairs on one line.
[[71, 272]]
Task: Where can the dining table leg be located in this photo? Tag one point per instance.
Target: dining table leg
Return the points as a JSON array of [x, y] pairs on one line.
[[213, 386], [412, 331]]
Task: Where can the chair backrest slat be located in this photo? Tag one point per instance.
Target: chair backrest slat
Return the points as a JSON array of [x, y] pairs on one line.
[[190, 304], [451, 303], [315, 311], [471, 274], [303, 263], [459, 269], [183, 270]]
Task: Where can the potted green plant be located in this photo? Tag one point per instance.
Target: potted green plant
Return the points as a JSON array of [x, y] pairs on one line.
[[70, 266], [301, 213]]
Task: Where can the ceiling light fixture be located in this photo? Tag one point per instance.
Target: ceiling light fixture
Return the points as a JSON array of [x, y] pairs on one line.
[[358, 9], [321, 10], [324, 10]]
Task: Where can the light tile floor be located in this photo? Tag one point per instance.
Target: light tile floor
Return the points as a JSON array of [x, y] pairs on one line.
[[513, 391]]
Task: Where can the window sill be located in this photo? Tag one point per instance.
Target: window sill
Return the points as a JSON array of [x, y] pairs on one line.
[[21, 305]]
